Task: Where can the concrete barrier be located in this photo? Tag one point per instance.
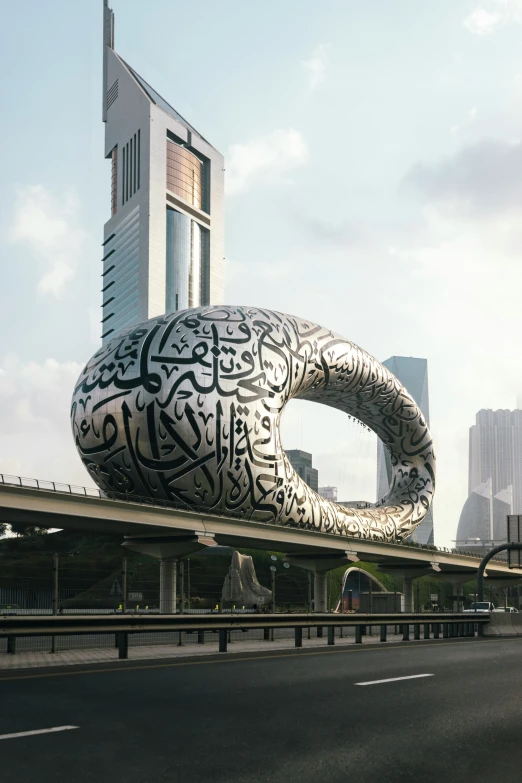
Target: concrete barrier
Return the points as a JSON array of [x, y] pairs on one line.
[[503, 624], [517, 623]]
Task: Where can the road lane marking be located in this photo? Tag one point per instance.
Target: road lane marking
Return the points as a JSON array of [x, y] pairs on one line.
[[239, 657], [37, 731], [394, 679]]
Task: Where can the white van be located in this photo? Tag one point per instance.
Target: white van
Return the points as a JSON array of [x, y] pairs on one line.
[[480, 607]]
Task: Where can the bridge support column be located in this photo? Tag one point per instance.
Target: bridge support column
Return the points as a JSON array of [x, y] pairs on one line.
[[320, 599], [458, 596], [407, 589], [319, 564], [168, 573]]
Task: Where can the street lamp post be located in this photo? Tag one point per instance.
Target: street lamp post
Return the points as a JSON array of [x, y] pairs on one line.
[[485, 561]]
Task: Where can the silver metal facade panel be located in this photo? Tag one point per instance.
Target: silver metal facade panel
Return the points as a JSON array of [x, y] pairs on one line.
[[186, 408]]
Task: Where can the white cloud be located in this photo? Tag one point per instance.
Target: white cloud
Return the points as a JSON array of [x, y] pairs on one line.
[[468, 120], [484, 21], [264, 158], [316, 66], [36, 437], [49, 227]]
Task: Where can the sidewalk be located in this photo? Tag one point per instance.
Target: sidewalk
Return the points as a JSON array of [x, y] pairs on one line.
[[31, 660]]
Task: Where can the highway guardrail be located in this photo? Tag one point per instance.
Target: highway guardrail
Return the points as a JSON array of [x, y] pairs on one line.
[[432, 624]]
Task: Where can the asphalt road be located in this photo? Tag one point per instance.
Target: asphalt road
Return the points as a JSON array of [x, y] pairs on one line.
[[281, 717]]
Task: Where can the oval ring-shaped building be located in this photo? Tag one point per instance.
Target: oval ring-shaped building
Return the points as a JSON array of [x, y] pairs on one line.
[[186, 408]]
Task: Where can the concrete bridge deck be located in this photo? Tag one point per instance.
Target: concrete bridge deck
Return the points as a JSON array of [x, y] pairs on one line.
[[170, 532]]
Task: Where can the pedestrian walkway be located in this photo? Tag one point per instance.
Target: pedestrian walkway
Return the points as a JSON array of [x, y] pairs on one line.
[[30, 660]]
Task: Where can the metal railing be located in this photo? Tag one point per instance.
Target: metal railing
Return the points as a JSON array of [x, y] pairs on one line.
[[92, 492], [432, 624]]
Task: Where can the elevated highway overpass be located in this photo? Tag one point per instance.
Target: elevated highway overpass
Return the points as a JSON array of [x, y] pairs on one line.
[[169, 533]]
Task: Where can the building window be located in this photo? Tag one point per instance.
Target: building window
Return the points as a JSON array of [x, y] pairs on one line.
[[127, 172], [134, 181], [112, 94], [186, 175], [138, 159], [131, 168], [123, 178], [186, 262], [114, 181]]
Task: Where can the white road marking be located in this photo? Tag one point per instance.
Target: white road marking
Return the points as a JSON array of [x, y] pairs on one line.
[[394, 679], [37, 731]]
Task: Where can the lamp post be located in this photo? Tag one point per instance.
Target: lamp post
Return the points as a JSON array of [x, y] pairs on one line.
[[485, 561]]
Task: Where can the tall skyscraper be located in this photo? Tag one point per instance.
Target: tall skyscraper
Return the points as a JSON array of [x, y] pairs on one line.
[[482, 522], [495, 452], [164, 242], [495, 472], [413, 374], [301, 462]]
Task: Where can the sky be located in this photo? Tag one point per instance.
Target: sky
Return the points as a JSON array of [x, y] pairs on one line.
[[373, 185]]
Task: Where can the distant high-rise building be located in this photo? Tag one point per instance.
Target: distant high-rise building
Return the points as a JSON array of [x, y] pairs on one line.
[[495, 452], [329, 493], [301, 462], [495, 471], [163, 246], [413, 374], [482, 522]]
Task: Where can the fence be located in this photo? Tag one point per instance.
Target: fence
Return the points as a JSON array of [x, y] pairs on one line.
[[121, 627], [40, 583]]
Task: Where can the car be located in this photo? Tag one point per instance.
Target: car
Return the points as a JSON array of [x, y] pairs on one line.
[[509, 609], [480, 607]]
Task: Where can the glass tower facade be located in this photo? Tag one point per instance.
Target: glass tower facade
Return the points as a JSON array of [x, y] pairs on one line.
[[163, 246], [495, 471], [186, 256], [413, 374], [301, 462]]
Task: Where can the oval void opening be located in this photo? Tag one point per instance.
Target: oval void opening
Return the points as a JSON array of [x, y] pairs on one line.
[[343, 450]]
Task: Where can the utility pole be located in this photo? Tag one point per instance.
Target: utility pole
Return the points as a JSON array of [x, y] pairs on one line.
[[56, 565], [55, 583], [188, 582], [124, 584], [182, 586]]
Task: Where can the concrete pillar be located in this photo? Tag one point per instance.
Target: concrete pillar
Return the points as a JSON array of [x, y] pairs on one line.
[[168, 574], [407, 589], [320, 591], [458, 600]]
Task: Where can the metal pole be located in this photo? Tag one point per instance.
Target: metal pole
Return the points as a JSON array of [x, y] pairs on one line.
[[309, 597], [182, 586], [56, 565], [124, 584], [55, 582], [485, 561], [188, 583], [370, 596], [273, 603]]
